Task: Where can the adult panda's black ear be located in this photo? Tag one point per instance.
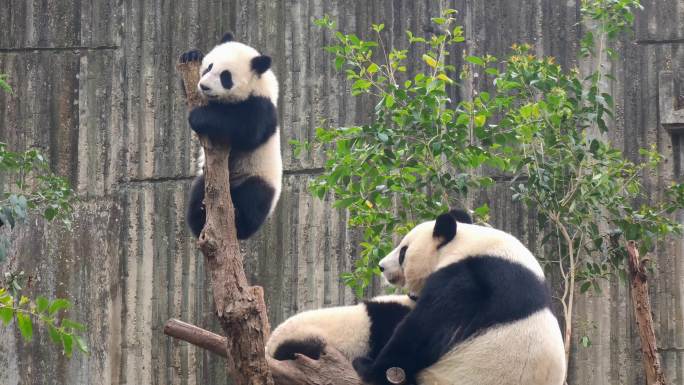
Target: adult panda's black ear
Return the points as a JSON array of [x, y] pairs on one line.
[[445, 229], [461, 216], [261, 64], [228, 36]]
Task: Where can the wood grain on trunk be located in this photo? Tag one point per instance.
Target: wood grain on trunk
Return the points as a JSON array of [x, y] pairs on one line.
[[644, 320]]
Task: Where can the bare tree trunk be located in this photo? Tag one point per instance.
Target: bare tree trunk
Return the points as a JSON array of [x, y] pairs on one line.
[[240, 308], [642, 312]]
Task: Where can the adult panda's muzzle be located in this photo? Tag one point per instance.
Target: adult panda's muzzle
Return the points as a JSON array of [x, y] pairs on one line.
[[391, 268]]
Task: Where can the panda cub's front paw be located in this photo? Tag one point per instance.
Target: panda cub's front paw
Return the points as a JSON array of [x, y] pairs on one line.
[[190, 56], [200, 120]]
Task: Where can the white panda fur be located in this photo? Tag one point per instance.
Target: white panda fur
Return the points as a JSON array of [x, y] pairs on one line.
[[455, 267], [241, 110], [356, 331]]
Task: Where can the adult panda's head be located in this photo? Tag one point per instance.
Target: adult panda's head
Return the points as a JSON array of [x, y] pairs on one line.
[[451, 237], [232, 72]]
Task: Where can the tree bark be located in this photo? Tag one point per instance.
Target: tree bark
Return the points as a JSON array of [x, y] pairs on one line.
[[642, 312], [240, 308]]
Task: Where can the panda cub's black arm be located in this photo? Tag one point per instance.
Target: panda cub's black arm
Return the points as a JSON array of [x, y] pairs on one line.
[[440, 319], [245, 125]]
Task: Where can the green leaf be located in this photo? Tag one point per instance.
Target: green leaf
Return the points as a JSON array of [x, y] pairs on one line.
[[67, 344], [58, 304], [361, 84], [42, 304], [585, 286], [430, 61], [67, 323], [475, 60], [25, 325], [6, 314], [372, 68], [479, 120], [81, 344], [54, 334]]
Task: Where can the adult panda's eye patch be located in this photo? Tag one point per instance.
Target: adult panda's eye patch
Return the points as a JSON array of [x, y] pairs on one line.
[[226, 79], [208, 69], [402, 255]]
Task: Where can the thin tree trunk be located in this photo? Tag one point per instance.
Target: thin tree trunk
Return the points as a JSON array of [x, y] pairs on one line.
[[240, 308], [644, 320]]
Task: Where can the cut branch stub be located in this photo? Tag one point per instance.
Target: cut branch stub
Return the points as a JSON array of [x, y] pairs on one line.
[[396, 375]]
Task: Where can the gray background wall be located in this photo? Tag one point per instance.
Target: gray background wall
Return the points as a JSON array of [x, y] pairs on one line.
[[95, 88]]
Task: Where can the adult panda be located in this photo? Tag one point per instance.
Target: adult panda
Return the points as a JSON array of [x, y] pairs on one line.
[[242, 93], [483, 311], [356, 331]]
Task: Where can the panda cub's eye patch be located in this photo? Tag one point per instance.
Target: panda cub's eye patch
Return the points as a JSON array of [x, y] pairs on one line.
[[226, 79], [208, 69], [402, 255]]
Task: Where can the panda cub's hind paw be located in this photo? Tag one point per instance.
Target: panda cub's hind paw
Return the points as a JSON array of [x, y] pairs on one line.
[[190, 56]]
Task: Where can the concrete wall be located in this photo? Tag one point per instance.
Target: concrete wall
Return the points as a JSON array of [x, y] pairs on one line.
[[95, 88]]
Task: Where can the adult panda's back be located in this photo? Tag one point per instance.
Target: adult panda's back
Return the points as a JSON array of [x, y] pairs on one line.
[[503, 355]]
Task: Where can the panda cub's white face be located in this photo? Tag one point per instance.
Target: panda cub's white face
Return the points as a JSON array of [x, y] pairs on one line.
[[232, 72]]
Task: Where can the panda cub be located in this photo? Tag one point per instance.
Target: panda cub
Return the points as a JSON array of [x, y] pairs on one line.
[[482, 315], [356, 331], [242, 92]]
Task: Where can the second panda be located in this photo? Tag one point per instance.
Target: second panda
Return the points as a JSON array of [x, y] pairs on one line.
[[482, 314]]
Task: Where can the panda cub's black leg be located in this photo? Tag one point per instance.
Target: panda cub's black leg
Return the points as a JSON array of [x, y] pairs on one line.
[[252, 200], [196, 215]]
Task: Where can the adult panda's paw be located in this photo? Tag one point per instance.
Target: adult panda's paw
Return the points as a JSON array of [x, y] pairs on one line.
[[190, 56], [363, 366], [370, 373]]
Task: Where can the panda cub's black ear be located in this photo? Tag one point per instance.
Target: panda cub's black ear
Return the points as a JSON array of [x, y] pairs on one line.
[[261, 64], [445, 229], [461, 216], [228, 36]]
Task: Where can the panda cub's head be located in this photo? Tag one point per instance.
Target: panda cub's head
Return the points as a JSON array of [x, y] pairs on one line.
[[232, 72], [448, 239]]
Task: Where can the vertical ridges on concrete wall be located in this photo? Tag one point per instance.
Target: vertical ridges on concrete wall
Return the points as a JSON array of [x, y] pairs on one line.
[[96, 90]]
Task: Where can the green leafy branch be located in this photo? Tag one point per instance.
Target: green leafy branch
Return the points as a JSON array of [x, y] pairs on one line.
[[411, 161], [62, 330], [33, 188], [36, 188]]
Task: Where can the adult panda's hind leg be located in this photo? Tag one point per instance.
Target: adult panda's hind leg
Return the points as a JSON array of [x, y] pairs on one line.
[[196, 214], [252, 200]]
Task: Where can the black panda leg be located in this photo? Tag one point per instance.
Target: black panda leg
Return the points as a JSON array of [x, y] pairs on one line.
[[252, 200], [196, 215]]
